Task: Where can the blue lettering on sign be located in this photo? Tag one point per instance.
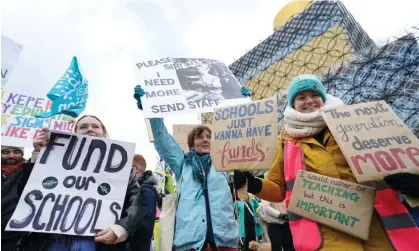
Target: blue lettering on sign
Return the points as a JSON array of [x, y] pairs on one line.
[[245, 110], [30, 122], [258, 131], [229, 134]]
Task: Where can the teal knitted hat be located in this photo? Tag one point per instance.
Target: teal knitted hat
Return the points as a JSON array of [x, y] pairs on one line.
[[303, 83]]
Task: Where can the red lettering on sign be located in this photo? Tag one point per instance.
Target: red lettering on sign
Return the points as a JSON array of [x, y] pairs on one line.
[[411, 153], [17, 132], [388, 160], [242, 153], [37, 132], [23, 133]]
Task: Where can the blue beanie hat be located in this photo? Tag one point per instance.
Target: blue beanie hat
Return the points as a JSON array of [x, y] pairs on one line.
[[303, 83]]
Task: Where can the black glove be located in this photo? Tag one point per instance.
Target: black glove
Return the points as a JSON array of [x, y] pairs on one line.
[[283, 217], [160, 200], [254, 185], [406, 183]]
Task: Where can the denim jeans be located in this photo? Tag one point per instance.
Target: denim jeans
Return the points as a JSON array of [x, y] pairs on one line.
[[78, 244]]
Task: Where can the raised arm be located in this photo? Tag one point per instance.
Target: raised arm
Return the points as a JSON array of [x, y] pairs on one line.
[[272, 188], [166, 146]]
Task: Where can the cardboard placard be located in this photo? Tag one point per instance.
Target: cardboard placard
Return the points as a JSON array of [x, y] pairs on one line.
[[244, 137], [180, 134], [339, 204], [149, 130], [77, 186], [375, 142]]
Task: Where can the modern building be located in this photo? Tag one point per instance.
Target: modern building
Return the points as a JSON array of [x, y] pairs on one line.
[[323, 38]]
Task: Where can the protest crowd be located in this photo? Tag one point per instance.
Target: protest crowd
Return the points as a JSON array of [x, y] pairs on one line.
[[209, 214]]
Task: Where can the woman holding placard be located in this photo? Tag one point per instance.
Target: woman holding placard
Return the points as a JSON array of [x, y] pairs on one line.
[[306, 131], [115, 236], [204, 212]]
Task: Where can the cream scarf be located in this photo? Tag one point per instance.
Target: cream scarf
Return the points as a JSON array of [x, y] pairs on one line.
[[301, 125]]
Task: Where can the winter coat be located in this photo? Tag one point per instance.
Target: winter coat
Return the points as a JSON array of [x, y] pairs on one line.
[[11, 188], [240, 207], [131, 217], [191, 225], [328, 160], [149, 201]]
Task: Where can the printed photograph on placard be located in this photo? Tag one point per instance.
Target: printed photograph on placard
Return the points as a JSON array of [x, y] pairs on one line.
[[206, 79]]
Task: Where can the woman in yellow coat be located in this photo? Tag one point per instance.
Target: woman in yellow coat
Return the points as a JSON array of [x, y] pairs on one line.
[[305, 126]]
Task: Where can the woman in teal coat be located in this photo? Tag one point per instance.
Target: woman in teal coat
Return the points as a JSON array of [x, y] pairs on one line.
[[250, 226]]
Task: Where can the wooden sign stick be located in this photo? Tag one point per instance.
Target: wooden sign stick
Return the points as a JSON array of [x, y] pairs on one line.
[[242, 193], [150, 133]]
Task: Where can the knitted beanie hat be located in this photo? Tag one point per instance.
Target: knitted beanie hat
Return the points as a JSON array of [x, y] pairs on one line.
[[302, 83], [21, 149]]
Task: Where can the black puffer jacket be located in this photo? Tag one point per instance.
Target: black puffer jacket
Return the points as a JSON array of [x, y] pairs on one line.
[[11, 188], [131, 217], [149, 197]]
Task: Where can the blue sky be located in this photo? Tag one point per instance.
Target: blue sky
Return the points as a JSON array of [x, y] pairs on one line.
[[109, 36]]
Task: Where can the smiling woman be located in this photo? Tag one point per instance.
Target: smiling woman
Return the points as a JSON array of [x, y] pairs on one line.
[[202, 190], [117, 236], [307, 144]]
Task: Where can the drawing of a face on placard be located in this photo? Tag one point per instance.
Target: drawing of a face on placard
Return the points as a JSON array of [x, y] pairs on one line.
[[206, 79]]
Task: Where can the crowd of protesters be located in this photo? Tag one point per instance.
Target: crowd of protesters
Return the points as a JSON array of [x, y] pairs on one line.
[[209, 215]]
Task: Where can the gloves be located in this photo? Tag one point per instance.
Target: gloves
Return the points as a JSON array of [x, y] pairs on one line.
[[138, 93], [406, 183], [245, 92], [254, 185], [283, 216]]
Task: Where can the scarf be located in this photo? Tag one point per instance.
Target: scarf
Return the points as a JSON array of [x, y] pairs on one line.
[[301, 125], [9, 169], [200, 166], [148, 177]]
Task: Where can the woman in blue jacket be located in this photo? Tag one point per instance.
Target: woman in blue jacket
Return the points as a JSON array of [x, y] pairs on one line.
[[205, 214]]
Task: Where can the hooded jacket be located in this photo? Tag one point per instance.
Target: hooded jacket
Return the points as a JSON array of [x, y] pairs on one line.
[[148, 192]]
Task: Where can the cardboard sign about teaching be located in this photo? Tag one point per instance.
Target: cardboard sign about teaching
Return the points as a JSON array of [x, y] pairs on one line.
[[374, 140], [10, 51], [176, 86], [19, 127], [77, 186], [180, 134], [244, 137], [339, 204]]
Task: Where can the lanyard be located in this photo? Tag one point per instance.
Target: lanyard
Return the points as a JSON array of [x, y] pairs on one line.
[[250, 210]]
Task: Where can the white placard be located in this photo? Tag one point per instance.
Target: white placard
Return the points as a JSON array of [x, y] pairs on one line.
[[175, 86], [19, 127], [77, 186], [10, 51]]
